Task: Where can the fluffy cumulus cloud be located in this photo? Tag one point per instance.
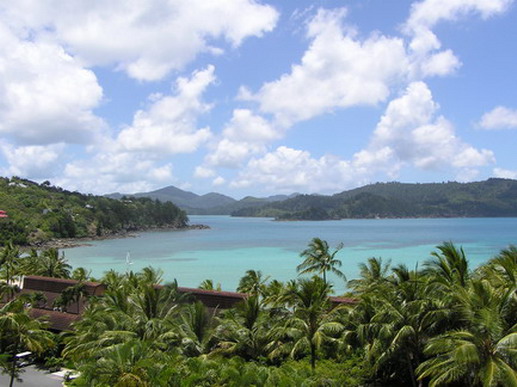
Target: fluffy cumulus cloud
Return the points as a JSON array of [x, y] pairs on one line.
[[424, 47], [499, 118], [145, 38], [46, 96], [168, 126], [338, 70], [505, 173], [21, 160], [117, 171], [288, 170], [439, 64], [204, 172], [427, 14], [137, 158], [245, 135], [411, 133], [49, 95]]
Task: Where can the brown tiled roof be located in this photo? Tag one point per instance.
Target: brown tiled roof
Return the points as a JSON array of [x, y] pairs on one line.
[[51, 297], [214, 298], [58, 321], [51, 289], [57, 285]]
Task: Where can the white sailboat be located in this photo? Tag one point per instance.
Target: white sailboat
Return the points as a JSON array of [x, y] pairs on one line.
[[128, 261]]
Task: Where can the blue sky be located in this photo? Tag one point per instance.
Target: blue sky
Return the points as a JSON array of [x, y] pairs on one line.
[[256, 98]]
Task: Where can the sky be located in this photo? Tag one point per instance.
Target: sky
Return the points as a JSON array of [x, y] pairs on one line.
[[247, 97]]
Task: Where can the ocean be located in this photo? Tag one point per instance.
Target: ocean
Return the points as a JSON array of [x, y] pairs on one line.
[[231, 246]]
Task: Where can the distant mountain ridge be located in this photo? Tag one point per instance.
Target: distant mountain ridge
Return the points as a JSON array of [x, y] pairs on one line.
[[212, 203], [491, 198]]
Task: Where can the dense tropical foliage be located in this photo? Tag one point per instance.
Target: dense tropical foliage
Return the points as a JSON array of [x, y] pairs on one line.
[[444, 324], [39, 212]]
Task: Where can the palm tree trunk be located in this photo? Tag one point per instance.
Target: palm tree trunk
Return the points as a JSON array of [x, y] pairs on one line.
[[313, 357], [411, 370], [13, 366]]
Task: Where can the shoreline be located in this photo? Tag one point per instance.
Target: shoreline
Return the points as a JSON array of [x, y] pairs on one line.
[[68, 243]]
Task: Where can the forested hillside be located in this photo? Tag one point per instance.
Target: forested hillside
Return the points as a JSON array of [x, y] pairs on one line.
[[39, 212], [490, 198]]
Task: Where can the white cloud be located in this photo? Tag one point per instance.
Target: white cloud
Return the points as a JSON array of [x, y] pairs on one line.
[[145, 38], [245, 135], [110, 172], [46, 95], [411, 133], [440, 64], [499, 118], [505, 173], [426, 14], [135, 159], [36, 161], [218, 181], [231, 154], [337, 71], [424, 44], [288, 170], [203, 172], [168, 126], [248, 127]]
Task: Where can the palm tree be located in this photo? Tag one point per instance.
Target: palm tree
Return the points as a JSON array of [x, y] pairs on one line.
[[501, 270], [81, 274], [196, 329], [313, 321], [449, 266], [246, 331], [150, 276], [72, 294], [9, 262], [18, 331], [208, 284], [484, 352], [371, 274], [319, 259], [398, 318], [153, 310], [130, 364], [253, 283], [52, 264]]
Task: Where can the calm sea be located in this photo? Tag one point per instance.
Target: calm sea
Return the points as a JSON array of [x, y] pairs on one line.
[[233, 245]]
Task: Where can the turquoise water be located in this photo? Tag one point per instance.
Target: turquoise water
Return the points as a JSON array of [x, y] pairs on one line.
[[234, 245]]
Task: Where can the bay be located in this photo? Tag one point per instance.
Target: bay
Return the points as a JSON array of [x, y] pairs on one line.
[[233, 245]]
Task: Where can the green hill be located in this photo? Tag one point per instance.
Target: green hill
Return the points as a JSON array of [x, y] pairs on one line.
[[490, 198], [212, 203], [39, 212]]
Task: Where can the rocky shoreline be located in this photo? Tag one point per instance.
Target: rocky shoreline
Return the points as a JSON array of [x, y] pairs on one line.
[[67, 243]]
